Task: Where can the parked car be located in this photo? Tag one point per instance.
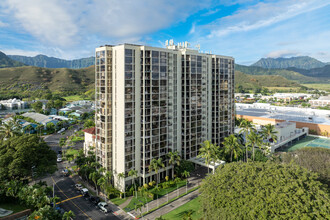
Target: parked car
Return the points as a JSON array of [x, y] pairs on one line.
[[78, 186], [103, 206], [94, 199], [59, 160], [59, 155], [84, 192]]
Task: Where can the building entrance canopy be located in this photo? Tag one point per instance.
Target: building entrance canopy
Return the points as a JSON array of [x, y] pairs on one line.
[[212, 165]]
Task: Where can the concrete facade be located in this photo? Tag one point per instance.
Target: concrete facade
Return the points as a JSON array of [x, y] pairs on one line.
[[150, 101]]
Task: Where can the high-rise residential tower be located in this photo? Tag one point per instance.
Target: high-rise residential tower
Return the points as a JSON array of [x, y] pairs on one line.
[[150, 101]]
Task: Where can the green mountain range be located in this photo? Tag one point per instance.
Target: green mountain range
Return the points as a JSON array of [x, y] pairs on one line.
[[5, 61], [301, 62], [315, 72], [52, 62], [288, 74], [259, 81], [33, 78]]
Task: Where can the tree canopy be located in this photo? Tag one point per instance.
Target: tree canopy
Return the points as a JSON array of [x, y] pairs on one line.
[[264, 191], [24, 156], [315, 159]]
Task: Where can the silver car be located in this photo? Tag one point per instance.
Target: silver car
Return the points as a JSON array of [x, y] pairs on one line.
[[103, 206]]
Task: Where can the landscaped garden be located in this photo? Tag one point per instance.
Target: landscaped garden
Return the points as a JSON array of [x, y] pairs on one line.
[[191, 209]]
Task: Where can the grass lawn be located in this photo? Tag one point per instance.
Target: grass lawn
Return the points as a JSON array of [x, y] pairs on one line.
[[293, 89], [325, 86], [15, 207], [72, 151], [72, 98], [118, 201], [76, 139], [160, 193], [194, 206]]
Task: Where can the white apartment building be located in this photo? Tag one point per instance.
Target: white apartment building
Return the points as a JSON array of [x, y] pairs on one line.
[[150, 101], [11, 104]]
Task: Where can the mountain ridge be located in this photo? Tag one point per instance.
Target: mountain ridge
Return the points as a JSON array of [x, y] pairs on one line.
[[300, 62], [53, 62], [5, 61]]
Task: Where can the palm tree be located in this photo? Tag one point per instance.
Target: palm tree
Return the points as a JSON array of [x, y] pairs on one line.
[[247, 127], [8, 129], [206, 152], [28, 128], [175, 159], [156, 165], [133, 174], [232, 146], [95, 177], [68, 215], [254, 140], [268, 131], [39, 128], [186, 174], [121, 176], [102, 183]]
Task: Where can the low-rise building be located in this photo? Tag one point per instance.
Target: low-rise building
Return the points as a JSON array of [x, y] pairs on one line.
[[89, 139], [321, 102], [40, 118]]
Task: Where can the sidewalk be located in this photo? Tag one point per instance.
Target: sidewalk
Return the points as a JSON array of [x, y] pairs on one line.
[[194, 181]]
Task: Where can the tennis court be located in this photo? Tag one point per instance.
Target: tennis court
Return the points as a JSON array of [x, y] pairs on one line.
[[309, 141]]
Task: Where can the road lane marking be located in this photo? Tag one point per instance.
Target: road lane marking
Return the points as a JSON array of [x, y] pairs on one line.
[[68, 198], [71, 200]]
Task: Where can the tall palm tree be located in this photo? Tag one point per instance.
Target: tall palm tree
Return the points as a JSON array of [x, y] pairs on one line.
[[95, 177], [133, 174], [268, 131], [156, 165], [247, 127], [8, 129], [206, 152], [186, 174], [254, 140], [121, 176], [103, 184], [232, 146], [174, 159]]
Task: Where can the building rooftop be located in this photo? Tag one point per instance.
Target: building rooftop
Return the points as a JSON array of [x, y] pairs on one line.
[[90, 130], [285, 113]]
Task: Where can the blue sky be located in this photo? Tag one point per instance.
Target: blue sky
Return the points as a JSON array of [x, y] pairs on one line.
[[245, 29]]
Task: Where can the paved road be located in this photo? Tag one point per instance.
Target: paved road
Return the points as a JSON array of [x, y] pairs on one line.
[[65, 190], [64, 187], [53, 139]]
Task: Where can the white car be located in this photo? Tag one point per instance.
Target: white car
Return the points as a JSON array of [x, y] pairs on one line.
[[103, 206], [59, 159], [78, 186], [84, 191]]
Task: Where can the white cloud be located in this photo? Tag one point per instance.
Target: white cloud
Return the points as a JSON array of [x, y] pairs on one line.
[[262, 15], [283, 53], [48, 21], [21, 52], [2, 24], [65, 23]]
